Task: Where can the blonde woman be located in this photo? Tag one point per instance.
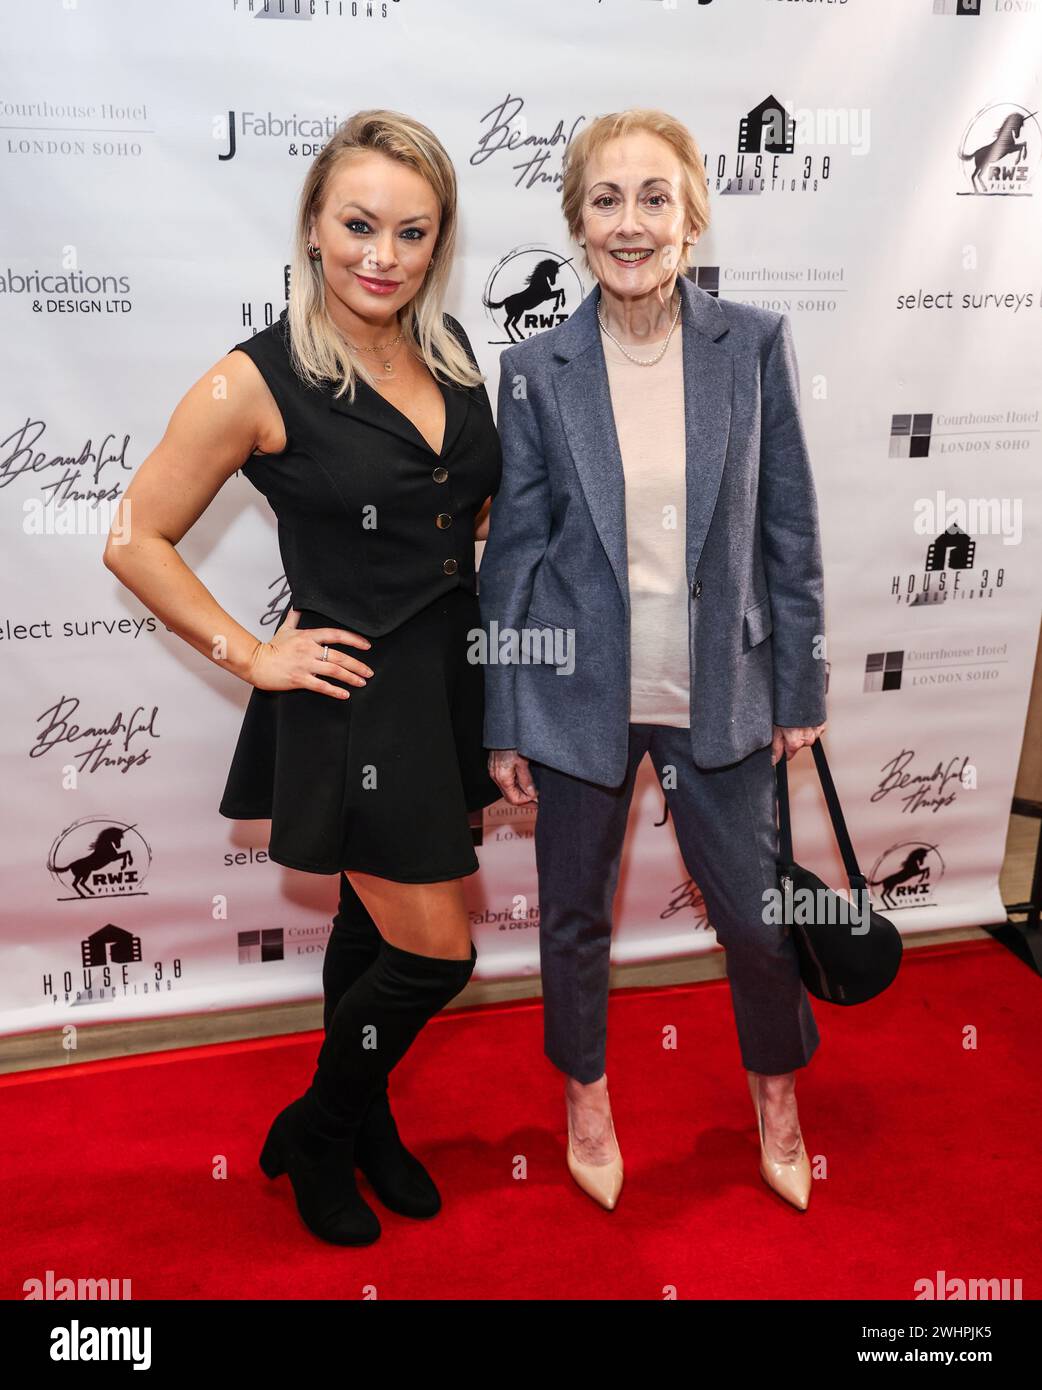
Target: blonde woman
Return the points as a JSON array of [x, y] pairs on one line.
[[361, 415], [657, 519]]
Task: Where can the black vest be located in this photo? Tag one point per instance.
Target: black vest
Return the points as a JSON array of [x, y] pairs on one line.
[[373, 524]]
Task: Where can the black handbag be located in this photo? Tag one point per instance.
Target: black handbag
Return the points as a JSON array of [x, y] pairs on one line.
[[843, 958]]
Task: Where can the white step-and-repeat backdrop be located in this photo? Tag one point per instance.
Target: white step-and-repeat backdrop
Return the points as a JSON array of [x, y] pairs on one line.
[[152, 156]]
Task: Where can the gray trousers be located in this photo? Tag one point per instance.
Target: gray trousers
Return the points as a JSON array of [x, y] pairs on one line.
[[725, 823]]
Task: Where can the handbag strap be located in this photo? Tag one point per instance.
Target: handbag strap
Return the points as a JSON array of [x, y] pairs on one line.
[[856, 878]]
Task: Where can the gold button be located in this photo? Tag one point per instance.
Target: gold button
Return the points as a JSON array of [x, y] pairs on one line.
[[450, 566], [442, 520], [440, 475]]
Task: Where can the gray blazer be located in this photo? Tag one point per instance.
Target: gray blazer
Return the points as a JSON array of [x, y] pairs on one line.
[[555, 557]]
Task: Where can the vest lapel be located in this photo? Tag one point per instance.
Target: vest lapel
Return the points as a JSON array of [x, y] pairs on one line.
[[372, 408]]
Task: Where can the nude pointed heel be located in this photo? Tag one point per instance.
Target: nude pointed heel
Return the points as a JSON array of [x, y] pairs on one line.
[[792, 1181], [601, 1181]]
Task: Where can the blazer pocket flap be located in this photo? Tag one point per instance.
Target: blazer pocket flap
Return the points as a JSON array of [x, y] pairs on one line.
[[533, 621], [758, 622], [545, 643]]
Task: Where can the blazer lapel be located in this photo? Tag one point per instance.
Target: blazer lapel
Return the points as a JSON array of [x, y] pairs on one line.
[[584, 401], [708, 387]]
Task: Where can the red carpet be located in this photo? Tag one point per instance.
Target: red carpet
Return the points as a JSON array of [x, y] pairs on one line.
[[932, 1153]]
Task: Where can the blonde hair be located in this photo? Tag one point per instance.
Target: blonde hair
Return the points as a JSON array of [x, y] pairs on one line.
[[319, 351], [591, 139]]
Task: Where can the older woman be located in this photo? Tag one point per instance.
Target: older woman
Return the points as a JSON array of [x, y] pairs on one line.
[[657, 516]]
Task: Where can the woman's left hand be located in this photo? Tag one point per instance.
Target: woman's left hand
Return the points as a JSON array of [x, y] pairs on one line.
[[790, 741]]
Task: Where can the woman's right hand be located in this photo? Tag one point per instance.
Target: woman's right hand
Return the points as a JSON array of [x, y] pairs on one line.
[[511, 774], [292, 660]]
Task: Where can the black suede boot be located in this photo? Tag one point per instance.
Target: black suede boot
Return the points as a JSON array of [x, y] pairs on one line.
[[321, 1171], [352, 947], [374, 1024], [397, 1176]]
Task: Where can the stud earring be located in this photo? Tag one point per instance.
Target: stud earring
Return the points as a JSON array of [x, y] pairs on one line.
[[314, 252]]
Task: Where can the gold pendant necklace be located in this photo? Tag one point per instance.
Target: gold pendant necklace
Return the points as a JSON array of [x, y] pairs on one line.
[[387, 364]]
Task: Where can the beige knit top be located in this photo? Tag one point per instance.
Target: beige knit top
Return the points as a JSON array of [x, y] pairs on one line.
[[648, 404]]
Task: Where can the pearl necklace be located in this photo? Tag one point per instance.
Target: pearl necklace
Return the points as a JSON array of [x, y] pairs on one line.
[[644, 361]]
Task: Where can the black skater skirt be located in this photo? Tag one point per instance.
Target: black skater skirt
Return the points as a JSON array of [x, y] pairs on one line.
[[383, 782]]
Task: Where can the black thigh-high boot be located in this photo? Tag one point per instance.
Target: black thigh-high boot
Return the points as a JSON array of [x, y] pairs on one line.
[[397, 1176], [373, 1026], [353, 945]]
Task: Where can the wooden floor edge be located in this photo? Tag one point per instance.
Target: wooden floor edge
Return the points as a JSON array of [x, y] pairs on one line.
[[43, 1048]]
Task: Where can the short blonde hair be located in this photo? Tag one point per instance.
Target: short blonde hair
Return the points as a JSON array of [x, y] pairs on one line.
[[592, 138], [319, 350]]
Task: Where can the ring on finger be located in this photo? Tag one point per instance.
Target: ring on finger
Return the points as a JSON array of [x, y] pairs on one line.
[[325, 653]]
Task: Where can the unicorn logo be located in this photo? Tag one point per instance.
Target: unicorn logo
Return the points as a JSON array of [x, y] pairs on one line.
[[906, 875], [1003, 163], [539, 304], [106, 864]]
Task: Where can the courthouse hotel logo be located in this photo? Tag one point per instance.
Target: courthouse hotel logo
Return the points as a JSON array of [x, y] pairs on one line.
[[531, 289], [972, 665], [965, 432], [263, 945], [787, 289], [76, 130], [504, 823], [966, 9], [100, 858], [999, 151]]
